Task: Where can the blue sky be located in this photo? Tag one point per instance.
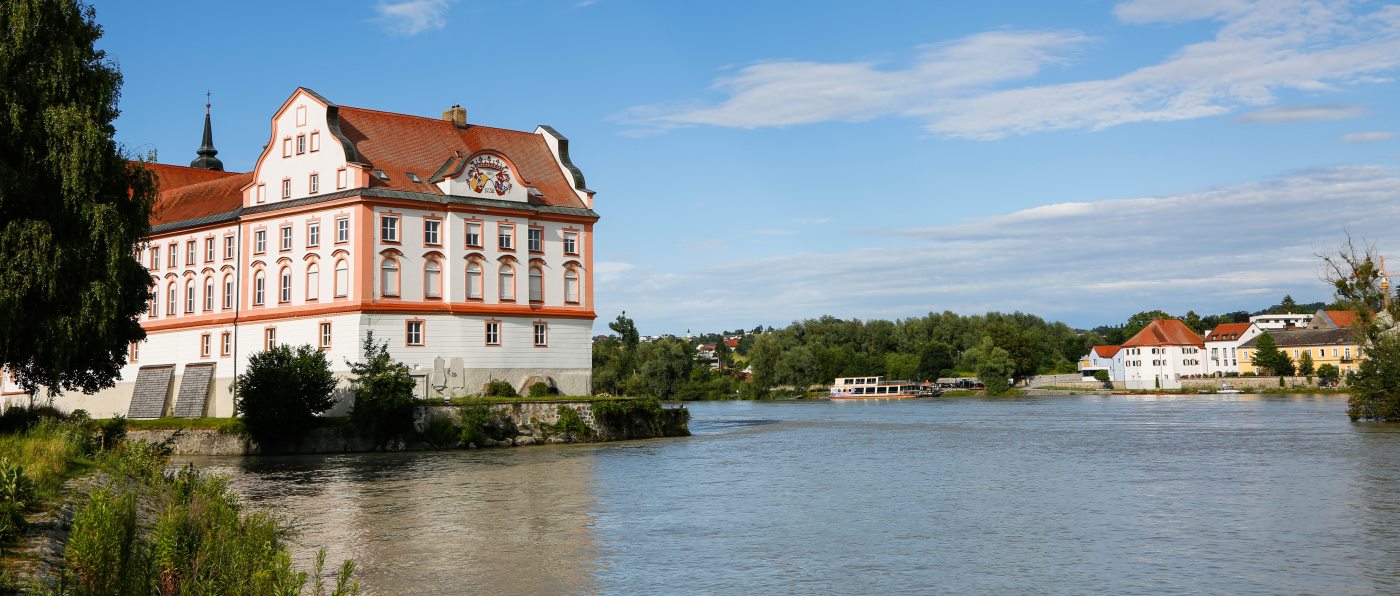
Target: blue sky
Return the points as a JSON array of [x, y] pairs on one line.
[[757, 163]]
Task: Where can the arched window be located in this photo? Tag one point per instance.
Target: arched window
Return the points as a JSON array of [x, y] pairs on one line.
[[571, 285], [474, 280], [432, 280], [172, 302], [208, 293], [313, 281], [189, 296], [507, 282], [284, 286], [228, 292], [389, 277], [536, 285], [342, 278], [259, 285]]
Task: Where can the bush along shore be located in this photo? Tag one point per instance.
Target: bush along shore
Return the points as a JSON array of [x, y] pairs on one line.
[[84, 510]]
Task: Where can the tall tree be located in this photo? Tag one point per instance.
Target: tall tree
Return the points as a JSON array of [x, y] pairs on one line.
[[1356, 279], [72, 207], [1305, 363], [1267, 356], [1138, 321]]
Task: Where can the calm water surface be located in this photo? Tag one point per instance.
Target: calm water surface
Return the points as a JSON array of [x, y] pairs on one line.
[[1217, 494]]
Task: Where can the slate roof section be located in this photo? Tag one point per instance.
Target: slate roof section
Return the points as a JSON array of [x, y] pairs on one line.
[[1307, 337], [1165, 332], [1227, 331]]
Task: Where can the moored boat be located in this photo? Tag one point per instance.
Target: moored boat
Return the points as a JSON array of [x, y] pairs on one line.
[[876, 388]]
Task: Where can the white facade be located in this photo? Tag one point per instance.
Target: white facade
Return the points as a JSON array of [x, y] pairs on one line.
[[1283, 321], [1094, 362], [1161, 367], [1222, 349], [467, 287]]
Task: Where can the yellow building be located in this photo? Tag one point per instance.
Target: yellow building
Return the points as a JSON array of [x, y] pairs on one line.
[[1337, 347]]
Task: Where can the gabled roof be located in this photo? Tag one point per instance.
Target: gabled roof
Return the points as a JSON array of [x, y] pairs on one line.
[[399, 144], [1340, 319], [185, 193], [1227, 331], [1165, 332], [1107, 351], [1295, 338]]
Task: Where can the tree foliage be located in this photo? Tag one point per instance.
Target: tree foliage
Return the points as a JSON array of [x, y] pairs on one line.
[[383, 392], [994, 367], [1305, 364], [72, 207], [1355, 275], [1267, 357], [282, 391]]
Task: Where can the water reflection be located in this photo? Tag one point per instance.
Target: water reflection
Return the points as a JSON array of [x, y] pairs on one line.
[[515, 521], [1119, 494]]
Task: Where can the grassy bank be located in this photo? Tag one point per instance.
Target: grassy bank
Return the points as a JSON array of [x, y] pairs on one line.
[[135, 528]]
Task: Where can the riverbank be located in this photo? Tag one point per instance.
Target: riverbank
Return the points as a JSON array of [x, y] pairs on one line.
[[490, 422]]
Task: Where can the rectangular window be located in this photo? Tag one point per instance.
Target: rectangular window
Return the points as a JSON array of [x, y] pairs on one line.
[[541, 335], [228, 292], [342, 178], [570, 243], [172, 259], [262, 193], [286, 233], [315, 141], [225, 343], [325, 336], [414, 333], [301, 115], [259, 286], [506, 236], [287, 147], [286, 188], [536, 239], [269, 338], [259, 242], [208, 294], [430, 231], [189, 253], [301, 144], [205, 342], [155, 258], [474, 234], [493, 333], [313, 234], [208, 250], [342, 230], [315, 184], [135, 354], [388, 228]]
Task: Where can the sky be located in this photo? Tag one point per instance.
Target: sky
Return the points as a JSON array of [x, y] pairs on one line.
[[757, 163]]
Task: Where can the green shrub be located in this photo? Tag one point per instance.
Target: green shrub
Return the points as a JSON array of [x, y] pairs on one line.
[[112, 431], [540, 389], [16, 495], [441, 432], [499, 389], [569, 423], [282, 391], [480, 421], [644, 413], [103, 554], [383, 393]]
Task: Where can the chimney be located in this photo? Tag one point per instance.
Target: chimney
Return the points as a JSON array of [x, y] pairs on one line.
[[456, 115]]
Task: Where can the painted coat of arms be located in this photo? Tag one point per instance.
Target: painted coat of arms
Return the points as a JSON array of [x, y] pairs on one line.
[[488, 174]]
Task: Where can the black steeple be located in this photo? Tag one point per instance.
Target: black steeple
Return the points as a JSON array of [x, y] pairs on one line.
[[206, 159]]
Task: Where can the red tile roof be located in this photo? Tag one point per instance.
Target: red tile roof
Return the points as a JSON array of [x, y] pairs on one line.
[[1227, 331], [395, 143], [1165, 332], [1342, 318], [399, 144], [1107, 351]]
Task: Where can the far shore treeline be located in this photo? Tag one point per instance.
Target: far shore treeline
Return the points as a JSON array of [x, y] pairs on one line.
[[815, 351]]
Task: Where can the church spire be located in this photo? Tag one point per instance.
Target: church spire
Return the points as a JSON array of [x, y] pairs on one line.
[[206, 159]]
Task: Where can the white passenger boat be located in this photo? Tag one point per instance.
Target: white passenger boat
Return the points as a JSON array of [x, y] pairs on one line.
[[874, 388]]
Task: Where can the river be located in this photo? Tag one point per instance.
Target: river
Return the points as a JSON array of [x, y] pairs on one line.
[[1214, 494]]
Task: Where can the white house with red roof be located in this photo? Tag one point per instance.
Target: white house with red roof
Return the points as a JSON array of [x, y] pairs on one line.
[[1109, 358], [467, 248], [1161, 354], [1222, 346]]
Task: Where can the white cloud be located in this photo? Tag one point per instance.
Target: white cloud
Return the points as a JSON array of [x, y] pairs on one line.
[[411, 17], [1218, 250], [1172, 11], [1302, 114], [968, 88], [1366, 137], [812, 221], [606, 272]]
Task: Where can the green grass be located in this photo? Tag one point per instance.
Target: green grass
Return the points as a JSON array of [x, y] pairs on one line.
[[49, 456], [1064, 388], [184, 424], [959, 393]]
